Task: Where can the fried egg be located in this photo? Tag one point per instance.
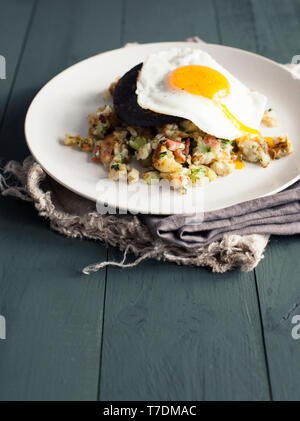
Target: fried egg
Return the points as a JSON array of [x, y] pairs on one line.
[[189, 83]]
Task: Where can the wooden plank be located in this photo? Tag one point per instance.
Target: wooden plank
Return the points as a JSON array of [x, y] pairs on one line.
[[64, 33], [53, 312], [14, 20], [175, 333], [236, 24], [279, 292], [169, 20], [278, 28], [180, 333]]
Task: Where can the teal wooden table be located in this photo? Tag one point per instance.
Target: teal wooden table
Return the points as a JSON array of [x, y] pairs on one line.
[[158, 331]]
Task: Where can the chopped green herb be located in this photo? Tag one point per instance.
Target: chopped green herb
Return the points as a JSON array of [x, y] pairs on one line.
[[227, 141], [161, 155], [270, 109], [115, 167], [100, 131], [86, 144], [151, 177], [137, 142], [197, 170], [208, 149]]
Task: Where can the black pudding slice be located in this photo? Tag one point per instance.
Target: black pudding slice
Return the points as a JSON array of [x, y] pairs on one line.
[[127, 108]]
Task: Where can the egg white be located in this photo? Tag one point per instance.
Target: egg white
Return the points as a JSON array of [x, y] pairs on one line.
[[153, 93]]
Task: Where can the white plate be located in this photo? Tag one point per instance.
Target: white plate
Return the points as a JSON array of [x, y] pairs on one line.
[[62, 105]]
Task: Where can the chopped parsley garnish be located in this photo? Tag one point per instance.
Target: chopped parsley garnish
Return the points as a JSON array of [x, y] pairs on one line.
[[161, 155], [270, 109], [197, 170], [227, 141], [137, 142], [100, 130], [115, 167], [208, 149]]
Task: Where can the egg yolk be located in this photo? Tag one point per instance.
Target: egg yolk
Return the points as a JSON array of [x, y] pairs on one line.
[[209, 83], [239, 165]]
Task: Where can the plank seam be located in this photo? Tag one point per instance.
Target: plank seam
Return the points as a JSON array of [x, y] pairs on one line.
[[254, 27], [124, 5], [217, 22], [263, 339], [18, 63], [255, 274], [102, 331]]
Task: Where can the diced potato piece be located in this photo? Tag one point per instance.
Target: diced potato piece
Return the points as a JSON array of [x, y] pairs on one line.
[[84, 143], [201, 173], [177, 180], [117, 171], [254, 149], [100, 122], [206, 150], [133, 175], [279, 146], [222, 168], [164, 161], [270, 119], [144, 151], [151, 177], [108, 148]]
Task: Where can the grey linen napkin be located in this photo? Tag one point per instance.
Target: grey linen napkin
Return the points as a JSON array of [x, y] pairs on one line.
[[76, 217], [278, 214]]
